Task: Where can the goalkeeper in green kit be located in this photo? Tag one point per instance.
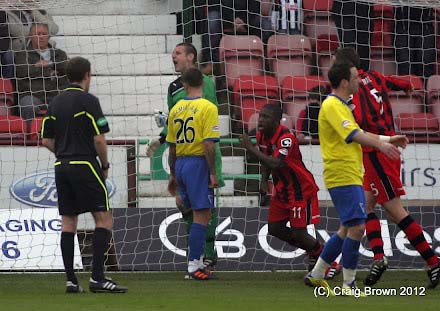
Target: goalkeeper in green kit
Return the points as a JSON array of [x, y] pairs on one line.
[[185, 57]]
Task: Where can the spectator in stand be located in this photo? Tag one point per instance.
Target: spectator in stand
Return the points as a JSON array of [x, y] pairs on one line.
[[309, 126], [415, 41], [250, 17], [40, 71], [287, 17], [354, 21], [20, 24], [7, 57]]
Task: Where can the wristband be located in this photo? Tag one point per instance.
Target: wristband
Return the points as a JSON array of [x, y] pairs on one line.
[[105, 167], [385, 139]]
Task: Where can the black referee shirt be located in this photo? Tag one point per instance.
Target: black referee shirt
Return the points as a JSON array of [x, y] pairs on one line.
[[73, 119]]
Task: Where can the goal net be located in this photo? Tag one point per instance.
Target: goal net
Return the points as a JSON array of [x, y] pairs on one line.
[[279, 53]]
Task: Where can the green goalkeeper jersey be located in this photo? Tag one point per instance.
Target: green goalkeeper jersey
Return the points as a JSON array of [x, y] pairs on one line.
[[176, 92]]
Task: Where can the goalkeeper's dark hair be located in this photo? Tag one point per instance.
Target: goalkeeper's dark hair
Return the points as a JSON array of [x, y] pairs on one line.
[[339, 71], [349, 55], [276, 110], [77, 68], [189, 49], [193, 77]]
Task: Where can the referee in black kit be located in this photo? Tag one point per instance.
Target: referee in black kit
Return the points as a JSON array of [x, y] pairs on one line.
[[74, 130]]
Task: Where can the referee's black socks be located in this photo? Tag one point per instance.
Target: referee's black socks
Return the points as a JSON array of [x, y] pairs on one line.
[[67, 250], [101, 240]]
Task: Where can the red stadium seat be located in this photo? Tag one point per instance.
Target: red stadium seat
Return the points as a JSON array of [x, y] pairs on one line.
[[12, 127], [383, 32], [251, 93], [326, 47], [419, 127], [294, 92], [412, 103], [242, 55], [6, 96], [317, 19], [289, 55]]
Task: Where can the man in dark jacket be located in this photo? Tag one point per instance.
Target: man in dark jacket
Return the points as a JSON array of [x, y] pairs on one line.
[[40, 71]]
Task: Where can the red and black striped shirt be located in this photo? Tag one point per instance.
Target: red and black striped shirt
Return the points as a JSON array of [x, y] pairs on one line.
[[293, 182], [372, 107]]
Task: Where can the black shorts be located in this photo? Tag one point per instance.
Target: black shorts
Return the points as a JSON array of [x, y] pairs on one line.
[[80, 187]]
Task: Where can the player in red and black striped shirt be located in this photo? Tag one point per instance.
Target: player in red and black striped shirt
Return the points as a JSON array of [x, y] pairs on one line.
[[382, 184], [295, 198]]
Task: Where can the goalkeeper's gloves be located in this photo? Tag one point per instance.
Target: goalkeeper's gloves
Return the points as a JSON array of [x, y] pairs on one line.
[[160, 117], [152, 147]]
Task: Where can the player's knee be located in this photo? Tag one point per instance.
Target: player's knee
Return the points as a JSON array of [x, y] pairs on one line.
[[356, 232], [103, 220], [370, 208]]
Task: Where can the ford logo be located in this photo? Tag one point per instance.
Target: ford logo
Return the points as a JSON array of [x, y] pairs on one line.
[[39, 189]]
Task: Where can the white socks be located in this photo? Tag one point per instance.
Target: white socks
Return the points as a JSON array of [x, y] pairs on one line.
[[318, 271]]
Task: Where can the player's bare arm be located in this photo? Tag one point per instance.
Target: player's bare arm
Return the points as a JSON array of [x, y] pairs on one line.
[[210, 158], [172, 182], [372, 140], [49, 143], [399, 140], [101, 149], [268, 161]]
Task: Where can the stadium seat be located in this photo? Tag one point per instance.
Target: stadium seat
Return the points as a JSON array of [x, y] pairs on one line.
[[11, 128], [294, 93], [6, 96], [383, 28], [251, 93], [383, 60], [289, 55], [419, 127], [412, 103], [242, 55], [326, 47], [35, 129], [317, 19]]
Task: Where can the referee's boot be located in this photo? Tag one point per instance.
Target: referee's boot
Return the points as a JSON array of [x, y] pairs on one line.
[[106, 286]]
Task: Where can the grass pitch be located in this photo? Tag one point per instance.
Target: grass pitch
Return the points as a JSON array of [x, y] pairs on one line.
[[232, 291]]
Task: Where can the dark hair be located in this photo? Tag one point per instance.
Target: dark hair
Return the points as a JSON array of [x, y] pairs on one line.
[[193, 77], [318, 93], [189, 49], [348, 55], [77, 68], [339, 71], [276, 110]]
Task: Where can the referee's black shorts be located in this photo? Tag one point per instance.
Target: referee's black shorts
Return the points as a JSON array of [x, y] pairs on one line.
[[80, 187]]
